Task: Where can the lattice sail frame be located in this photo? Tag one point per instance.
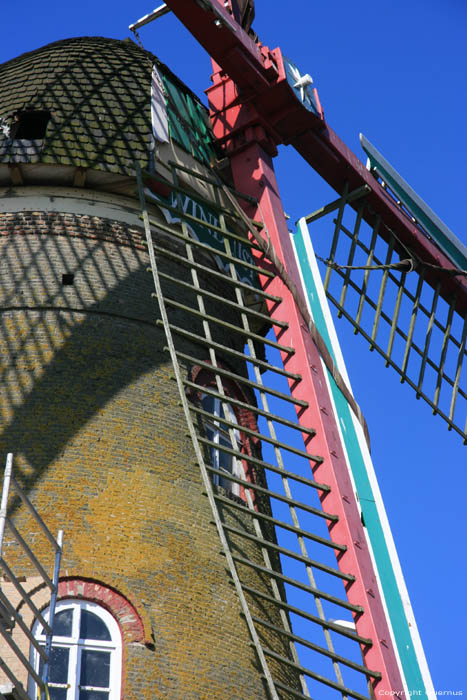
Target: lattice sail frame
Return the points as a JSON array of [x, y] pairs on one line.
[[293, 554], [404, 317]]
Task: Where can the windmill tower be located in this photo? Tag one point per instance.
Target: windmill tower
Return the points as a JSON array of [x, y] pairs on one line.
[[222, 481]]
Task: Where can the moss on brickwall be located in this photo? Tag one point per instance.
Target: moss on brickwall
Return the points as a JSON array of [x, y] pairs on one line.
[[93, 415]]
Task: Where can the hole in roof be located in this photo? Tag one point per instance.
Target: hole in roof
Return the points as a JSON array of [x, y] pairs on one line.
[[30, 124], [67, 278]]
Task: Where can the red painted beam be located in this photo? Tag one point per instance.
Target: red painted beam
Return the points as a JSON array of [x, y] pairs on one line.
[[226, 42]]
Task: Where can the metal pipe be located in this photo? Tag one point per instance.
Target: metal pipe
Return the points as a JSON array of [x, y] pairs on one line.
[[53, 602], [24, 595], [28, 551], [4, 502], [33, 512], [155, 14], [18, 618]]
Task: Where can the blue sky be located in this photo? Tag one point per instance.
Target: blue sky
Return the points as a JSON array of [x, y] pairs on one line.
[[395, 71]]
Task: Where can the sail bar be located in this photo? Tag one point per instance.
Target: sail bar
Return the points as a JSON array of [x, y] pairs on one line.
[[155, 14], [268, 509], [261, 458], [387, 297], [253, 170], [403, 625]]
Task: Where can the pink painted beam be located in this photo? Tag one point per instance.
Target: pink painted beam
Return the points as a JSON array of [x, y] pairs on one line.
[[254, 175]]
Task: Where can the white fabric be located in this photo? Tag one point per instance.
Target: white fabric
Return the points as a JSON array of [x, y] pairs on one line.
[[160, 123]]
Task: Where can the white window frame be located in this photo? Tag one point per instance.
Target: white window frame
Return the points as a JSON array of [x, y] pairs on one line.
[[219, 430], [77, 645]]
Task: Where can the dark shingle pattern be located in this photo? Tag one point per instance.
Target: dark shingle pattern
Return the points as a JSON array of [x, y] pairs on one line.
[[98, 93]]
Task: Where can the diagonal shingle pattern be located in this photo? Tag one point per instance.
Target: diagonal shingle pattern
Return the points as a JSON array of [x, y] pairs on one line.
[[97, 91]]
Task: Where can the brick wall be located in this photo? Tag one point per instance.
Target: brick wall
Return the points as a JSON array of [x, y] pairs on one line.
[[92, 414]]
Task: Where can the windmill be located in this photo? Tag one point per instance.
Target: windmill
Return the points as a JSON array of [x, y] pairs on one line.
[[314, 628], [256, 89]]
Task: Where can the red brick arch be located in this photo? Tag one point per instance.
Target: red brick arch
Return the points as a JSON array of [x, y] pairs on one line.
[[135, 627]]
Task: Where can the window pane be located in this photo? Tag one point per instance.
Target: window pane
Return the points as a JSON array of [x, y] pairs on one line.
[[58, 669], [210, 433], [225, 483], [225, 461], [95, 668], [93, 695], [208, 403], [62, 623], [57, 693], [92, 627]]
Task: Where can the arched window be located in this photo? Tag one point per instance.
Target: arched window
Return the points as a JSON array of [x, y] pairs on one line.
[[218, 432], [85, 661]]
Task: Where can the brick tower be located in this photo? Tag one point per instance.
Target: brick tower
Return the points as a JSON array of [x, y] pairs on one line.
[[88, 401]]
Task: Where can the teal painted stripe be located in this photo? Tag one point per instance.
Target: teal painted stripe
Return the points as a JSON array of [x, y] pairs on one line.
[[398, 619]]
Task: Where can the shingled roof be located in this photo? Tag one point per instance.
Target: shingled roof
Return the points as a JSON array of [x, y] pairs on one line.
[[96, 94]]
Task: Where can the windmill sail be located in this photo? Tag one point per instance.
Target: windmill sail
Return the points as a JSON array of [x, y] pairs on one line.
[[416, 321], [391, 297]]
